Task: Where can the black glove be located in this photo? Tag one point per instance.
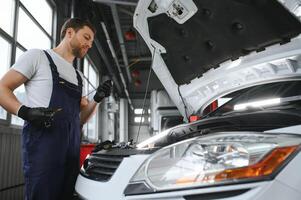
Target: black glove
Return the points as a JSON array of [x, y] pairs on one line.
[[103, 91], [39, 117]]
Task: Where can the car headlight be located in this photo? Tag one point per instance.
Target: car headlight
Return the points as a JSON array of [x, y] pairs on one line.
[[222, 158]]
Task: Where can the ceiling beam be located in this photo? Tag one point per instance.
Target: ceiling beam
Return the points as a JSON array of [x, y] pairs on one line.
[[121, 41], [108, 65], [125, 11], [117, 64], [140, 59], [127, 3]]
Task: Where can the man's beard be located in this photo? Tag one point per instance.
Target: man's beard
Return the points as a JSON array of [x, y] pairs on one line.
[[76, 49]]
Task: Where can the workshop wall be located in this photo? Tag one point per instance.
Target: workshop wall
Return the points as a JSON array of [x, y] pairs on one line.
[[11, 175]]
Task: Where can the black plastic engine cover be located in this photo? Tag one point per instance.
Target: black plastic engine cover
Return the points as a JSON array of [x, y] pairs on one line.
[[221, 30]]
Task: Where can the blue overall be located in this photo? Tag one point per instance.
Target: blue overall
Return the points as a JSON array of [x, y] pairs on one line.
[[51, 155]]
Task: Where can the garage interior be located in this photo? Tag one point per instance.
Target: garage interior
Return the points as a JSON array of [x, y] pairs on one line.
[[227, 72], [120, 55]]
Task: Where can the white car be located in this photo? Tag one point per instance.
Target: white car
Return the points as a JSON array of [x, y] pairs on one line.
[[247, 149]]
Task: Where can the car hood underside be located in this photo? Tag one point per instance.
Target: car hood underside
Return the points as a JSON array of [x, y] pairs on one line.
[[204, 49]]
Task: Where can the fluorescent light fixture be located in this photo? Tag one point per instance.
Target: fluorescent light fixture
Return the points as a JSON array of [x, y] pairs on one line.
[[256, 104], [222, 101], [153, 139]]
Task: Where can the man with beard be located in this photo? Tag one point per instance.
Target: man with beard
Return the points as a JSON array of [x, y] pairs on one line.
[[54, 111]]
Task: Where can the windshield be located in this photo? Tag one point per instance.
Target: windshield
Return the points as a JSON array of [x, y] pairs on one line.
[[278, 96]]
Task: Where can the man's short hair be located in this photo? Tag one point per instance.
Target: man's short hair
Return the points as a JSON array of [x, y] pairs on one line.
[[76, 24]]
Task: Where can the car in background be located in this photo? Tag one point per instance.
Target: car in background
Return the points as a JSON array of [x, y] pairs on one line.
[[248, 148]]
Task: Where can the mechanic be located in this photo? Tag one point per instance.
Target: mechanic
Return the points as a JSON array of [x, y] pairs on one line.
[[54, 111]]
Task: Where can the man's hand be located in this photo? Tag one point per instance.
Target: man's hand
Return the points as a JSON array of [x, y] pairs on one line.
[[40, 117], [103, 91]]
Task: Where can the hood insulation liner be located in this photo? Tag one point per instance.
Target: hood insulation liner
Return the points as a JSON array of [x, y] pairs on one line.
[[221, 30]]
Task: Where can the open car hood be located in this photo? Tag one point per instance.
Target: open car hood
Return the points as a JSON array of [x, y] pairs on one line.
[[205, 49]]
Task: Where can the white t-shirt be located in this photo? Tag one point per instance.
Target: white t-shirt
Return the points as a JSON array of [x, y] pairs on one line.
[[34, 65]]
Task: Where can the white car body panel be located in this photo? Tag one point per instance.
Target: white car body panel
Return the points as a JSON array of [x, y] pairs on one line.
[[112, 189], [286, 184]]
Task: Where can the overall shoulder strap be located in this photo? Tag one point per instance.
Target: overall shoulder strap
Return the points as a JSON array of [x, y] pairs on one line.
[[79, 79], [51, 63]]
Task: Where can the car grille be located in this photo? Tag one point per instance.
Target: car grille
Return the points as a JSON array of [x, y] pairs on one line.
[[101, 166]]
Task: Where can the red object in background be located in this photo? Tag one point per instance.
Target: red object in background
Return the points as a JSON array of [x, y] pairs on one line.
[[213, 106], [194, 118], [135, 73], [85, 149], [137, 83], [130, 35]]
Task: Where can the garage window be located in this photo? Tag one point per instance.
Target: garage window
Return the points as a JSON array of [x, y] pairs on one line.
[[42, 12], [140, 115], [29, 33], [7, 12], [138, 119], [5, 53]]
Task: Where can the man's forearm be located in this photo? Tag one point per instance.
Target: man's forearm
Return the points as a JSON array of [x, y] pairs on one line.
[[8, 100], [88, 111]]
